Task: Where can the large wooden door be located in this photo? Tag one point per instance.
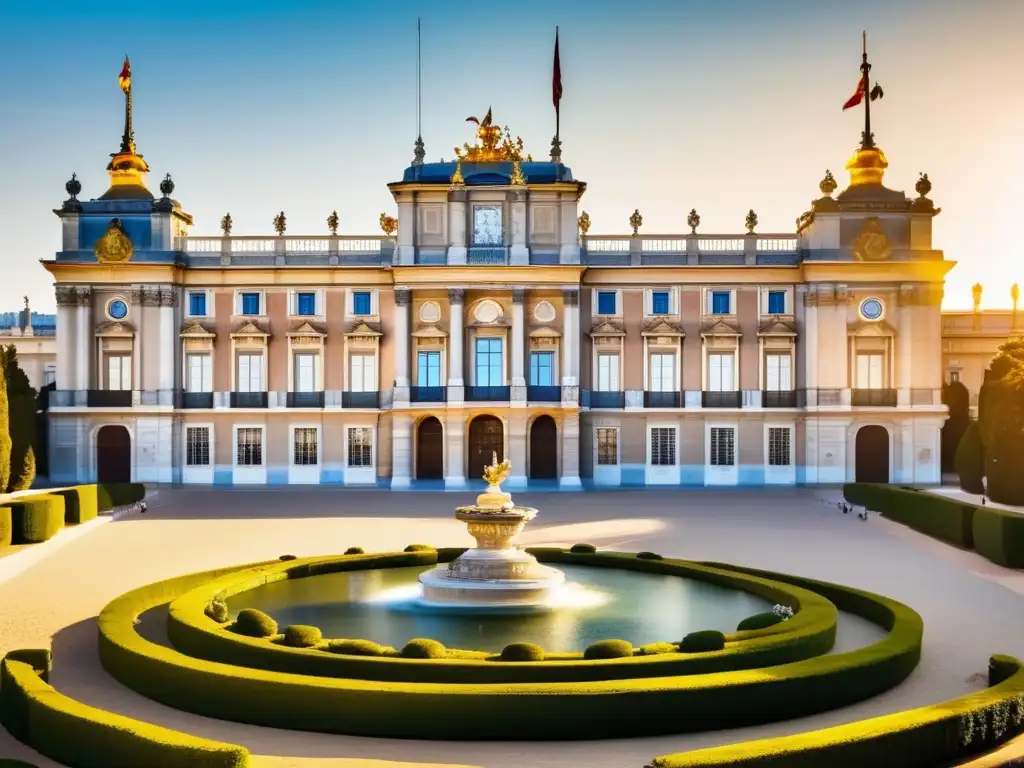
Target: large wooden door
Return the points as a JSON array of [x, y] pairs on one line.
[[872, 455], [429, 450], [113, 455], [543, 448], [486, 437]]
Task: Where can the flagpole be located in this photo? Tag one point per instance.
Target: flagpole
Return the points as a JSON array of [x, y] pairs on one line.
[[558, 107], [867, 140]]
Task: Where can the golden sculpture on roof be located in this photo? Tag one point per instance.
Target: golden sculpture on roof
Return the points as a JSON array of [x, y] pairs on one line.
[[114, 246], [871, 244], [492, 145], [389, 224], [517, 179]]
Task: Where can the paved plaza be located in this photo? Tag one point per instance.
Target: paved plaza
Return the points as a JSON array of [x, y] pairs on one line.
[[971, 608]]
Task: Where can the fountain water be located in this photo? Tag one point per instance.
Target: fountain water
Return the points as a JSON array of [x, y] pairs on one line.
[[495, 573]]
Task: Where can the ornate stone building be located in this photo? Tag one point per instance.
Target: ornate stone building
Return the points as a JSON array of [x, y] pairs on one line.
[[486, 318]]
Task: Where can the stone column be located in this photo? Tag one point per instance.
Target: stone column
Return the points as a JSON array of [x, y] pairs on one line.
[[85, 340], [457, 226], [138, 295], [518, 338], [570, 477], [455, 451], [455, 346], [406, 231], [904, 351], [401, 451], [810, 346], [168, 301], [569, 253], [519, 255], [401, 340], [67, 332], [517, 440], [570, 344]]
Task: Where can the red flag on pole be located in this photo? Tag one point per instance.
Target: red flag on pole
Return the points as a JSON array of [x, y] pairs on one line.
[[858, 96], [556, 79], [125, 78]]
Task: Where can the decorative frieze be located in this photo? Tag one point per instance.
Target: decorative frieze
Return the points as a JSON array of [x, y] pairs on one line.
[[827, 296], [67, 295]]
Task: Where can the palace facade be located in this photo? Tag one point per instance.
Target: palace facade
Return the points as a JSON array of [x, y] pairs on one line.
[[485, 318]]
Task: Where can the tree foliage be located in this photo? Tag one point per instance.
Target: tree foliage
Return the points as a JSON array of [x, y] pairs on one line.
[[1001, 424], [5, 433], [970, 460], [21, 401], [958, 400]]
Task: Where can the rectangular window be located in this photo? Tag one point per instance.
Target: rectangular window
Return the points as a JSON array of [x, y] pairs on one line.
[[778, 447], [542, 369], [776, 302], [250, 303], [487, 228], [723, 446], [720, 302], [720, 372], [608, 373], [607, 446], [119, 372], [305, 372], [606, 302], [197, 303], [304, 449], [662, 372], [50, 375], [777, 373], [197, 446], [249, 445], [488, 363], [305, 304], [361, 303], [663, 446], [428, 369], [954, 377], [869, 371], [200, 373], [360, 446], [249, 377], [659, 303], [362, 373]]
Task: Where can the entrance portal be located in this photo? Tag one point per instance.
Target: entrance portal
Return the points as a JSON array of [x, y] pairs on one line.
[[429, 450], [113, 455], [872, 455], [543, 448], [486, 437]]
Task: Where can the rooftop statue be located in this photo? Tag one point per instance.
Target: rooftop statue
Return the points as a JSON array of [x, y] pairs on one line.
[[492, 146]]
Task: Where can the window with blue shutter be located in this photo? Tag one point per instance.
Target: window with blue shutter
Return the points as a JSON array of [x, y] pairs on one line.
[[305, 303], [197, 304], [361, 303], [250, 303], [720, 302], [659, 303], [776, 302], [606, 302]]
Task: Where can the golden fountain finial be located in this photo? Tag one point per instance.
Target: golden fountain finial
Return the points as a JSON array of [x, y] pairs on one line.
[[127, 169], [494, 475], [496, 472]]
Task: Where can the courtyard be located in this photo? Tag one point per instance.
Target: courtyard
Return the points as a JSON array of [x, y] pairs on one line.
[[971, 608]]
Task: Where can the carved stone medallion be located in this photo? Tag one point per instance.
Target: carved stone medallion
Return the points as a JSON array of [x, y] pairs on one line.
[[114, 246], [871, 244]]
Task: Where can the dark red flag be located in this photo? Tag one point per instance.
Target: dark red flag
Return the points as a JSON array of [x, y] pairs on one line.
[[858, 96], [556, 79]]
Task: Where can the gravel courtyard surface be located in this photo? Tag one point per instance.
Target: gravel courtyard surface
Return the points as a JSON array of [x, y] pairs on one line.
[[971, 608]]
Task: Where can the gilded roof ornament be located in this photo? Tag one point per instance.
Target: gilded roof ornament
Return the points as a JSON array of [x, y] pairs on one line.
[[225, 225], [127, 168], [492, 146], [584, 223], [751, 221], [167, 186], [693, 221], [923, 186], [871, 244], [828, 184], [280, 223], [114, 246], [388, 224], [332, 223], [456, 181], [976, 295], [636, 221], [517, 179]]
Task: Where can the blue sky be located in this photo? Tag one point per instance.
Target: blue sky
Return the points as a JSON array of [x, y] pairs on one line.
[[306, 107]]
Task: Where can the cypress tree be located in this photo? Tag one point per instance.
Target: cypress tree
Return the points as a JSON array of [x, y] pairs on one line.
[[970, 461], [1001, 423], [21, 398], [5, 432], [957, 398]]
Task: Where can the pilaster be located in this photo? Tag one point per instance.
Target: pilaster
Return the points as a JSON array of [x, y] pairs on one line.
[[401, 339], [570, 477], [518, 338], [569, 253], [406, 231], [168, 301], [904, 347], [570, 342], [519, 254], [455, 345], [517, 441], [455, 453], [67, 332], [457, 226], [85, 340], [401, 451]]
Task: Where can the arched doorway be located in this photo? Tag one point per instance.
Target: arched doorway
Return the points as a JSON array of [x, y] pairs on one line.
[[543, 448], [429, 450], [872, 454], [486, 437], [113, 455]]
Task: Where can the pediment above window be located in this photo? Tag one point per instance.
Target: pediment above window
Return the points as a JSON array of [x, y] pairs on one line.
[[776, 326], [193, 329], [606, 328], [363, 329], [659, 326], [115, 328], [249, 329], [875, 328], [429, 331], [720, 328], [306, 328], [543, 332]]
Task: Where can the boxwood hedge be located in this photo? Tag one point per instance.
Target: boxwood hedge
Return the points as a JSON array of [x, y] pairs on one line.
[[111, 495], [999, 535], [81, 503], [938, 516], [530, 711], [36, 518], [81, 736]]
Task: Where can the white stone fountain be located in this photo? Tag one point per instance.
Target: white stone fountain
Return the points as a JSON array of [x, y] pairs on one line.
[[497, 572]]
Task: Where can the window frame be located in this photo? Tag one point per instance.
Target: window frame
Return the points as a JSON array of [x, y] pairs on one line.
[[372, 302], [766, 384], [538, 354], [712, 295], [776, 293], [617, 298], [422, 381], [317, 447], [207, 302], [207, 367], [239, 354], [238, 429], [617, 355], [351, 373], [790, 439], [708, 387], [673, 429], [241, 293], [598, 443], [372, 449], [125, 372], [500, 340], [209, 447], [732, 448]]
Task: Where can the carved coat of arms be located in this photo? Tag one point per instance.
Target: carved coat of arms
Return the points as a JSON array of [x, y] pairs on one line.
[[114, 246], [871, 244]]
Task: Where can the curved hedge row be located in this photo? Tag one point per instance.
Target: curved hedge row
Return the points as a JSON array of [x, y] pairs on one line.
[[810, 633], [514, 711], [79, 735], [940, 734]]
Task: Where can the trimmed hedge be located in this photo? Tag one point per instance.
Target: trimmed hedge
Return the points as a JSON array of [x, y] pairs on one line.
[[424, 648], [583, 549], [759, 621], [419, 548], [941, 734], [356, 647], [999, 535], [79, 735], [36, 518], [809, 633], [111, 495], [609, 649], [522, 652], [6, 527], [253, 623], [703, 641], [302, 636], [938, 516], [81, 503], [517, 711]]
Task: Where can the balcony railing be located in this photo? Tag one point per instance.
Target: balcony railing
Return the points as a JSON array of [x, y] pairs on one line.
[[772, 398], [874, 397], [537, 393], [428, 394], [109, 398], [478, 394], [196, 400], [595, 399], [248, 400], [662, 399], [305, 400], [722, 399], [360, 399], [307, 244], [487, 254]]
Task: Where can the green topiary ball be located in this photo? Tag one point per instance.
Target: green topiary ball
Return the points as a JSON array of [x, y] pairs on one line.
[[217, 610], [419, 548], [253, 623], [656, 649], [522, 652], [609, 649], [354, 551], [355, 647], [758, 621], [649, 556], [703, 641], [583, 549], [424, 648], [287, 557], [302, 636]]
